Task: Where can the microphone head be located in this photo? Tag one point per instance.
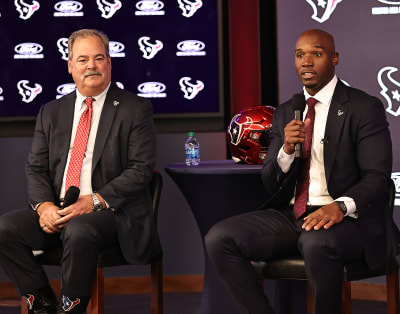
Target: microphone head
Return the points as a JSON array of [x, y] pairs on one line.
[[298, 102], [71, 196]]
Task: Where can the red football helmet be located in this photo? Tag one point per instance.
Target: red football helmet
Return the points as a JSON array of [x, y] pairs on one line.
[[249, 134]]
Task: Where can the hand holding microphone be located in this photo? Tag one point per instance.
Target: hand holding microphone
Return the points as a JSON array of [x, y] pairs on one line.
[[294, 130], [71, 196], [298, 103]]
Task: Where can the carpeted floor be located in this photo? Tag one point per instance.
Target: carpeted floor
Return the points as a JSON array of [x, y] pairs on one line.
[[181, 303]]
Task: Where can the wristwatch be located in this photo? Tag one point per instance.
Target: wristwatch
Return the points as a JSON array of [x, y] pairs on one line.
[[96, 203], [342, 207]]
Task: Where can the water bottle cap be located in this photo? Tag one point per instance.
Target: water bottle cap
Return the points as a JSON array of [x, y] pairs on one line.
[[190, 133]]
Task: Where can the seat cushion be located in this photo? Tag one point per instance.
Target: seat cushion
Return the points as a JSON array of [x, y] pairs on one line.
[[294, 268]]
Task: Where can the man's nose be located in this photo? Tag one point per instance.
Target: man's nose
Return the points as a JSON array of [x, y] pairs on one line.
[[308, 61], [91, 64]]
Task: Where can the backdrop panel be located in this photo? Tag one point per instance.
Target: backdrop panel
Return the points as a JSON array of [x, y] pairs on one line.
[[163, 50]]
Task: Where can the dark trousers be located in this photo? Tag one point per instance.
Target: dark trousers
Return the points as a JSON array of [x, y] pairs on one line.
[[269, 234], [82, 239]]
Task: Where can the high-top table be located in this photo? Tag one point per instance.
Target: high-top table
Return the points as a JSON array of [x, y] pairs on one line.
[[216, 190]]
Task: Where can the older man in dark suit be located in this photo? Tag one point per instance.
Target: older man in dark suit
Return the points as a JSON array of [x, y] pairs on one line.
[[330, 205], [102, 139]]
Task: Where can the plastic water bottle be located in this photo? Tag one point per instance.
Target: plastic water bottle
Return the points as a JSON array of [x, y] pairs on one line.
[[192, 148]]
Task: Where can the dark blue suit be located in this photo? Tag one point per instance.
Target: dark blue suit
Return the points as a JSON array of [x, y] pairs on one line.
[[123, 162], [358, 163]]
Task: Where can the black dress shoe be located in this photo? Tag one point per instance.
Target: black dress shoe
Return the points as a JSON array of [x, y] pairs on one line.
[[69, 305], [42, 301]]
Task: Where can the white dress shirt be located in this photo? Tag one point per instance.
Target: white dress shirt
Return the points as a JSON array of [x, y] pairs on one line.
[[85, 183], [318, 190]]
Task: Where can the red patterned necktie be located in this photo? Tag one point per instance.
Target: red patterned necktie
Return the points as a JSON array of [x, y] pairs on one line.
[[303, 181], [79, 146]]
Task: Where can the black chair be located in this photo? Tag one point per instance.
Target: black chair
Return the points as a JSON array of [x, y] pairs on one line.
[[293, 268], [113, 257]]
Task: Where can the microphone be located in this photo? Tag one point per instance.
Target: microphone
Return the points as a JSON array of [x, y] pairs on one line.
[[298, 103], [71, 196]]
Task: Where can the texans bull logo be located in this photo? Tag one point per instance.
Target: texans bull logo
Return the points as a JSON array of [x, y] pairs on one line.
[[323, 9], [190, 90], [189, 7], [108, 8], [396, 180], [149, 50], [28, 93], [390, 89], [26, 10]]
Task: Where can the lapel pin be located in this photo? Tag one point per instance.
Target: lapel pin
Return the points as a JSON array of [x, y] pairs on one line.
[[339, 113], [115, 103]]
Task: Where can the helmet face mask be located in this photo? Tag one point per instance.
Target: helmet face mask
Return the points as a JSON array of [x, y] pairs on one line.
[[249, 134]]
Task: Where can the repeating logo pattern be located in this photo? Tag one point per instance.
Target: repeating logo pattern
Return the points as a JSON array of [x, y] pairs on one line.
[[62, 44], [65, 89], [68, 8], [116, 49], [191, 48], [26, 10], [149, 50], [150, 7], [392, 7], [152, 90], [27, 92], [323, 9], [396, 179], [152, 80], [190, 7], [108, 8], [390, 89], [189, 89], [28, 51]]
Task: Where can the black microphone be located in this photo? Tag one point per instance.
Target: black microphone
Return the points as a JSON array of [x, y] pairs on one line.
[[298, 103], [71, 196]]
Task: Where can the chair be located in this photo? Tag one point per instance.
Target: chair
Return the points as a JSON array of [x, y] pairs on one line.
[[293, 268], [113, 257]]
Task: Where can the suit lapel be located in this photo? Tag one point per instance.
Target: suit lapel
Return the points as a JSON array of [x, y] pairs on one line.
[[67, 107], [336, 117], [111, 105]]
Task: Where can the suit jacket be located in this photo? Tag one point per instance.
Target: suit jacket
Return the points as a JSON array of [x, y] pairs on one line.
[[358, 164], [122, 167]]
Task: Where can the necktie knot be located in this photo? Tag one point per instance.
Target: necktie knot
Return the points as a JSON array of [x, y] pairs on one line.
[[311, 102], [89, 101]]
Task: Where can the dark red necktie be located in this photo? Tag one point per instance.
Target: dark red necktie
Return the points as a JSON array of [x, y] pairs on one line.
[[79, 146], [303, 181]]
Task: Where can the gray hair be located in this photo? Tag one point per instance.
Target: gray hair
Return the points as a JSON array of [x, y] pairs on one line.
[[84, 33]]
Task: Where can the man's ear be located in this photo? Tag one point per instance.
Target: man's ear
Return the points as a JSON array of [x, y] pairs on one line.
[[335, 58], [69, 66]]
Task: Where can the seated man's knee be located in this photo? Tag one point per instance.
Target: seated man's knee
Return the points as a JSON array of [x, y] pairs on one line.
[[217, 239], [78, 231], [314, 243], [8, 231]]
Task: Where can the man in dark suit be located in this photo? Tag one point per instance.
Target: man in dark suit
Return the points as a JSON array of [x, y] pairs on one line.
[[331, 205], [115, 167]]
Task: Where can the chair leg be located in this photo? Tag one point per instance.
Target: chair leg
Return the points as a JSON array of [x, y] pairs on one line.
[[157, 288], [346, 297], [310, 299], [24, 306], [392, 291], [96, 303]]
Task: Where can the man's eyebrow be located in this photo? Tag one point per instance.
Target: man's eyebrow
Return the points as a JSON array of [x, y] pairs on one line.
[[316, 46]]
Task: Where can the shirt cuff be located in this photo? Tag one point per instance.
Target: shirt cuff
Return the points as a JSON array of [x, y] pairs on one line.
[[350, 205], [284, 160]]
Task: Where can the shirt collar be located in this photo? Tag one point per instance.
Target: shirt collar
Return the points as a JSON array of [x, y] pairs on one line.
[[80, 99], [325, 95]]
